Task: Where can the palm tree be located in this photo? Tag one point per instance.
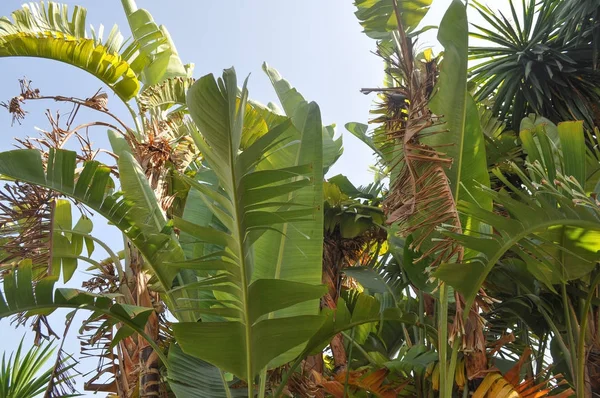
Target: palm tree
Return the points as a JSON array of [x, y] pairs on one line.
[[542, 61], [229, 229]]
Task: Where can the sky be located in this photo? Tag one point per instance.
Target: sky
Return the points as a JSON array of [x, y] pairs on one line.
[[317, 45]]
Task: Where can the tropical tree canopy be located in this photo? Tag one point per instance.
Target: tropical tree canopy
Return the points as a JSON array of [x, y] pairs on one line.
[[469, 266]]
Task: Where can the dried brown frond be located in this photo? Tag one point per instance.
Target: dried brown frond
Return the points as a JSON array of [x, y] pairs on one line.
[[57, 137], [420, 199], [14, 108], [26, 91], [512, 384], [113, 368], [14, 104], [300, 385], [38, 325], [166, 147], [472, 336], [98, 101], [25, 224], [374, 382], [61, 381]]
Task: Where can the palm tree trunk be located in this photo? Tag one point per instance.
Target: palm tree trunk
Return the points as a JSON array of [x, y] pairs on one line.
[[331, 278]]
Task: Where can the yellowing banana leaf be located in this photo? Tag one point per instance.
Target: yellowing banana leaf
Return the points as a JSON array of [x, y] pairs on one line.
[[45, 31]]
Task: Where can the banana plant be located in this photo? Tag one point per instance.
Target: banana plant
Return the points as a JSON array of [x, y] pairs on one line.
[[253, 199], [49, 30], [20, 296], [552, 228]]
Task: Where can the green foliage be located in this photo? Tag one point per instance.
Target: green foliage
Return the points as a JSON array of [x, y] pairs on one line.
[[238, 259], [555, 232], [159, 57], [164, 95], [45, 30], [378, 17], [533, 65], [91, 187], [23, 374], [21, 295], [464, 140], [248, 187], [293, 102], [194, 378], [67, 246]]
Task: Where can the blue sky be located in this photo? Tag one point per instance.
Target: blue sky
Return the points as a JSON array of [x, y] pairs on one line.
[[317, 45]]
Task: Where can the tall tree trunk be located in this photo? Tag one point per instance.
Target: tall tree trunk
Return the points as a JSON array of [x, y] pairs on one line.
[[149, 365], [332, 263], [139, 365]]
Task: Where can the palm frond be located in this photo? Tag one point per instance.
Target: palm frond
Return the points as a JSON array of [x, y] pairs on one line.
[[91, 188], [23, 374], [533, 66]]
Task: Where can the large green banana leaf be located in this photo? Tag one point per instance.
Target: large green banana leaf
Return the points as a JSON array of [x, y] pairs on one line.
[[292, 101], [378, 17], [191, 377], [555, 232], [154, 44], [247, 203], [295, 252], [90, 187], [21, 295], [464, 140], [46, 31]]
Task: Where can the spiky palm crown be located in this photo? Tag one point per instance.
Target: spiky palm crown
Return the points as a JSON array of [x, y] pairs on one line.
[[542, 61]]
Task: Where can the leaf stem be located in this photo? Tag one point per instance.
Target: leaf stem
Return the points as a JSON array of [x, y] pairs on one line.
[[262, 383], [572, 346], [443, 339], [348, 364], [359, 348], [225, 384], [580, 384]]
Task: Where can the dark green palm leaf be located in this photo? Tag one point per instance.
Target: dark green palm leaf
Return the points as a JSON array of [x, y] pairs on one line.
[[534, 66]]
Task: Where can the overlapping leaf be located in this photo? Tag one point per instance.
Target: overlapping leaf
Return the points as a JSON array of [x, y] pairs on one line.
[[247, 203], [90, 187], [464, 140], [164, 95], [191, 377], [20, 295]]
